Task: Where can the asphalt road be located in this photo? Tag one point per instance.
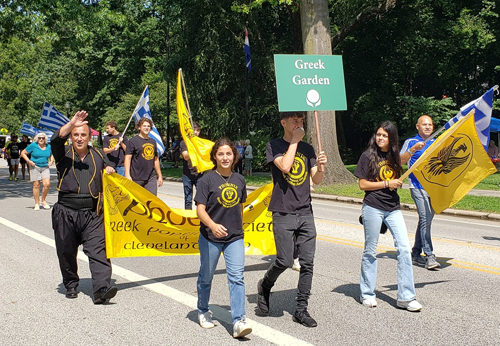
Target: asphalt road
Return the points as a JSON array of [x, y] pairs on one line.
[[156, 302]]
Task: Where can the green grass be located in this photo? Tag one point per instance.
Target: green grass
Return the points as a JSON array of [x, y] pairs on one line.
[[474, 203]]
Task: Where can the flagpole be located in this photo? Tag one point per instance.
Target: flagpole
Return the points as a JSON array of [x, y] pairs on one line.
[[246, 99], [186, 97], [130, 119], [318, 135]]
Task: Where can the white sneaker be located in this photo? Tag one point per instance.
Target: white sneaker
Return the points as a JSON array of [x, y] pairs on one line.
[[37, 207], [369, 302], [296, 265], [410, 305], [205, 320], [241, 328]]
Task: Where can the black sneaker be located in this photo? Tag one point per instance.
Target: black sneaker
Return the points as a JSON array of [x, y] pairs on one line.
[[104, 294], [262, 298], [418, 260], [72, 293], [304, 318]]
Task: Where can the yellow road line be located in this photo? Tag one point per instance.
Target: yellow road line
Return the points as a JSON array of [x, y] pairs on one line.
[[436, 239], [451, 262]]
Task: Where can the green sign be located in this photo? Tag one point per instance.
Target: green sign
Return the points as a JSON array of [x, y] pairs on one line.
[[310, 82]]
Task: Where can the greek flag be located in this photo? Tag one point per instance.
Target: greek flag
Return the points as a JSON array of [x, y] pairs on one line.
[[142, 110], [483, 107], [52, 118], [246, 48], [29, 130], [48, 133]]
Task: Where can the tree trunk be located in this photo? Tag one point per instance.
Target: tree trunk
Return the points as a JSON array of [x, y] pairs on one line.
[[316, 38]]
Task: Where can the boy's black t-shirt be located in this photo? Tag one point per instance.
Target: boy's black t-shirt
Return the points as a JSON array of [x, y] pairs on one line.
[[143, 151], [187, 168], [223, 204], [15, 150], [291, 191], [116, 157], [383, 199]]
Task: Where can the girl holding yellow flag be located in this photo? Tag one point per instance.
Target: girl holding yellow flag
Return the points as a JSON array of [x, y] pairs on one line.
[[219, 199], [378, 170]]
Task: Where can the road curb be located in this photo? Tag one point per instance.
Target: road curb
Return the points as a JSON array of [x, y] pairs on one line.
[[404, 206]]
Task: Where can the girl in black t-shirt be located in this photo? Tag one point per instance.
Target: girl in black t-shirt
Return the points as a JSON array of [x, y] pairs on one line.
[[219, 200], [378, 170]]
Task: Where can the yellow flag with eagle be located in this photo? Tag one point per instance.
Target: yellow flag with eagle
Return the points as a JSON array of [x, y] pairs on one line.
[[453, 165], [198, 148]]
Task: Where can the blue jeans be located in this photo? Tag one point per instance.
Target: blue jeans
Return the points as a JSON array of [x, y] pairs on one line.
[[120, 170], [423, 240], [234, 255], [372, 220], [286, 229], [188, 190]]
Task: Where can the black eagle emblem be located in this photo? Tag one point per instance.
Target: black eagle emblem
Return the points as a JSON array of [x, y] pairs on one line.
[[446, 160]]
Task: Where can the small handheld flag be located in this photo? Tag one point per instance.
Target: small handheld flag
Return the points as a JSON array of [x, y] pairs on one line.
[[29, 130], [52, 118], [32, 131], [142, 110]]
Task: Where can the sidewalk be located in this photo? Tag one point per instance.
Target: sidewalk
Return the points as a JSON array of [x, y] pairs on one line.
[[404, 206], [353, 200]]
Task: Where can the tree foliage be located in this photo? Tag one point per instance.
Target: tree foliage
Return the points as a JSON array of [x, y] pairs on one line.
[[400, 58]]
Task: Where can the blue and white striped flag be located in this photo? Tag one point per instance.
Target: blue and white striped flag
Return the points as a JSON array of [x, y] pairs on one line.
[[52, 118], [29, 130], [483, 107], [142, 111], [48, 133]]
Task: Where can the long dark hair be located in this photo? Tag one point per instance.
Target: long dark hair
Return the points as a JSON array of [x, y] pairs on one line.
[[219, 143], [393, 158]]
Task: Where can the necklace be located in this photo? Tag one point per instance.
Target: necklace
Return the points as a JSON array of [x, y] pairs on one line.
[[226, 180]]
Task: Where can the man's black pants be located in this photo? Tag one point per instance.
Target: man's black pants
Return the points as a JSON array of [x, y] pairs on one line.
[[286, 227], [85, 227]]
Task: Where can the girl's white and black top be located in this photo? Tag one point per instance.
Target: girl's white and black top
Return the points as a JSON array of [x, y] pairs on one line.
[[222, 200], [383, 199]]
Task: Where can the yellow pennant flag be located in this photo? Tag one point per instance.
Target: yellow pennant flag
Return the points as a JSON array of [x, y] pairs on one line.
[[198, 148], [453, 165], [137, 223]]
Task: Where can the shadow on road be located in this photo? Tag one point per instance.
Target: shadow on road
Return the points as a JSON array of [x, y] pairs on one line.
[[21, 188], [491, 238]]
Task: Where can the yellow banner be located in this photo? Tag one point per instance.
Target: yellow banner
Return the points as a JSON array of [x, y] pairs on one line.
[[137, 223], [198, 148], [453, 165]]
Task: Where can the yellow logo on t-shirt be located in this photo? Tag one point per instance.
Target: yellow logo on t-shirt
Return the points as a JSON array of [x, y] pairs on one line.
[[386, 172], [298, 172], [148, 151], [112, 143], [229, 195]]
